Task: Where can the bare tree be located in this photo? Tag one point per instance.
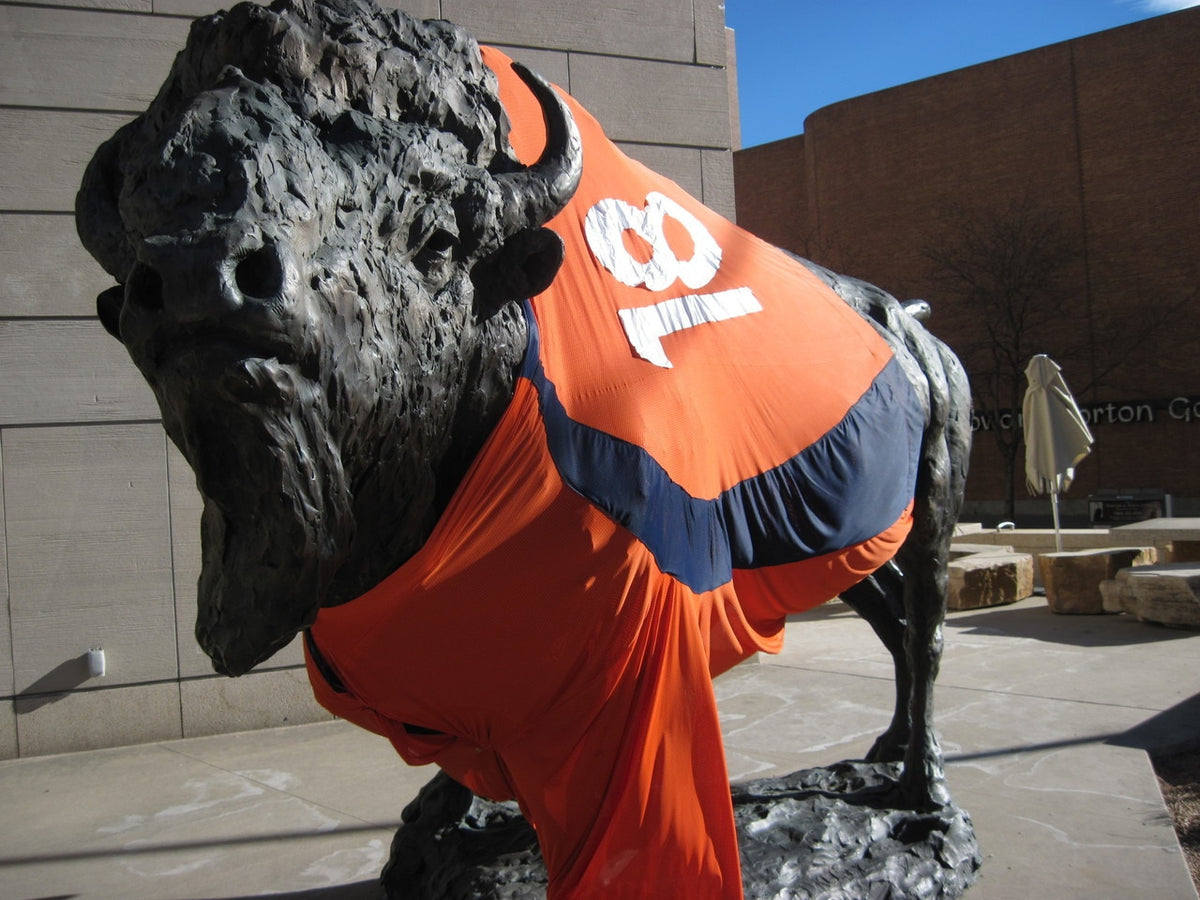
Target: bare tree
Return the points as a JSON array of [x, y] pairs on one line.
[[1017, 280], [1006, 269]]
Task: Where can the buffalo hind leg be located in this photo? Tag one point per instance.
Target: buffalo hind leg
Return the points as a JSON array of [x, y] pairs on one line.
[[924, 560], [879, 599]]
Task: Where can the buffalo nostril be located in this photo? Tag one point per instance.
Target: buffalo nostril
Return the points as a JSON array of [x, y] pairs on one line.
[[259, 274], [144, 288]]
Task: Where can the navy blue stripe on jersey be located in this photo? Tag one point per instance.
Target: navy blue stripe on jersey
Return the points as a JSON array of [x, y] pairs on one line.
[[849, 486]]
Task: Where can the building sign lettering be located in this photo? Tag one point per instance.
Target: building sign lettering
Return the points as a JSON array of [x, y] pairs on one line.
[[1116, 412]]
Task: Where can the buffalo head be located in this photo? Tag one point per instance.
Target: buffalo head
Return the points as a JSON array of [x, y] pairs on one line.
[[320, 235]]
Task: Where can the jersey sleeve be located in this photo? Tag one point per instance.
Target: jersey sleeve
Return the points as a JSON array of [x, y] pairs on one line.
[[638, 804]]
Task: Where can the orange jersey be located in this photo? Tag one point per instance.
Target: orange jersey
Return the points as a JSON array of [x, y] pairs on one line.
[[703, 439]]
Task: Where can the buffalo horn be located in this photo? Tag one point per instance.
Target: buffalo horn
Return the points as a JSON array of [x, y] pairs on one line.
[[531, 197]]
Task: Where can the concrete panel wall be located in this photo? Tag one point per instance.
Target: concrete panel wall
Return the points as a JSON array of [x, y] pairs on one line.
[[88, 537], [67, 370], [690, 102], [89, 60], [7, 678], [99, 532], [44, 270], [651, 29]]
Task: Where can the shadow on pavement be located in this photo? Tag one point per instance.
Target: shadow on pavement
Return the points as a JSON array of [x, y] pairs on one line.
[[1170, 731], [1038, 623], [361, 890]]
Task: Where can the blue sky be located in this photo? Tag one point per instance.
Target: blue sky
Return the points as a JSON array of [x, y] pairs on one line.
[[795, 56]]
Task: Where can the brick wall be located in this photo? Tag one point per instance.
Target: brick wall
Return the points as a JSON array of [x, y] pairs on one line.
[[769, 203], [1104, 133], [99, 538]]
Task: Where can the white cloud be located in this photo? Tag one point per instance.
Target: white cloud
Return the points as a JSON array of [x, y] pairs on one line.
[[1164, 6]]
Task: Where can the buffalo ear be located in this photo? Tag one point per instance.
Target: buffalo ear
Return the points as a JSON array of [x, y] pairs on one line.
[[523, 267], [108, 308]]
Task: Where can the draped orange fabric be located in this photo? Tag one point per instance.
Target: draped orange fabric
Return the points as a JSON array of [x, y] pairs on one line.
[[687, 460]]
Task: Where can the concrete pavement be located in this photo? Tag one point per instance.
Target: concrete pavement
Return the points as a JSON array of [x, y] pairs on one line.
[[1045, 721]]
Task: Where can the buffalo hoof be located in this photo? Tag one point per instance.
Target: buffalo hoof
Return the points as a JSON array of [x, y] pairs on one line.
[[453, 844], [815, 833]]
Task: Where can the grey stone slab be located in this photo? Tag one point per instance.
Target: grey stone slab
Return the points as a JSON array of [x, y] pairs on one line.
[[8, 730], [90, 720], [832, 638], [681, 164], [44, 270], [43, 153], [424, 9], [88, 555], [688, 105], [67, 371], [1022, 648], [993, 739], [717, 166], [711, 41], [334, 765], [138, 6], [154, 822], [965, 548], [777, 719], [59, 802], [190, 8], [6, 657], [268, 699], [1060, 809], [731, 87], [552, 65], [186, 506], [1167, 594], [85, 60], [1160, 530], [1026, 648], [654, 29]]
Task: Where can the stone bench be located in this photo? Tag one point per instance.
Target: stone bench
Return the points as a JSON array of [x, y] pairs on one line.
[[1177, 539], [1184, 550], [993, 577], [1168, 594], [1072, 578], [959, 549]]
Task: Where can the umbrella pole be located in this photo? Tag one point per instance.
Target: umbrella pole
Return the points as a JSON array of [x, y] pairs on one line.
[[1057, 531]]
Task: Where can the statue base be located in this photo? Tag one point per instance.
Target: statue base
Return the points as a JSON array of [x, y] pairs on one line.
[[817, 833]]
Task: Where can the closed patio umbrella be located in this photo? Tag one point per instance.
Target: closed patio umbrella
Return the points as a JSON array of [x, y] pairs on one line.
[[1056, 436]]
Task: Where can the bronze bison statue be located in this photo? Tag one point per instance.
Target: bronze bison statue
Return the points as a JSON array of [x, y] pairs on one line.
[[527, 443]]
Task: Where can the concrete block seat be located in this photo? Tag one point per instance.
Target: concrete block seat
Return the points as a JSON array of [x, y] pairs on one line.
[[1184, 550], [1167, 594], [982, 575], [1072, 578], [959, 549], [1177, 539]]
